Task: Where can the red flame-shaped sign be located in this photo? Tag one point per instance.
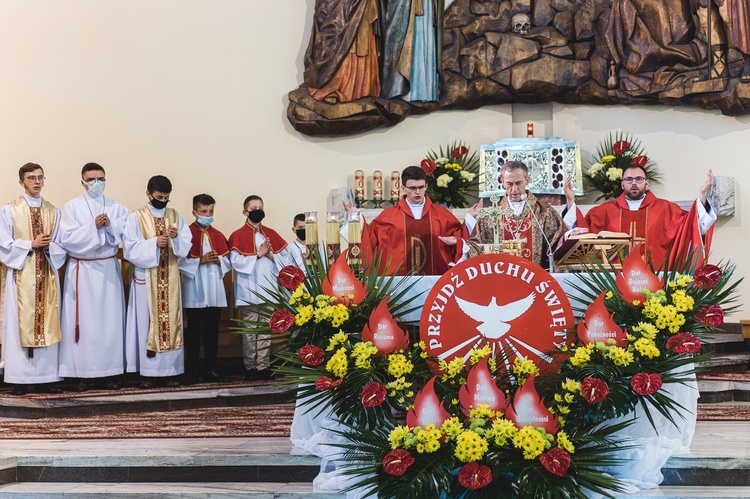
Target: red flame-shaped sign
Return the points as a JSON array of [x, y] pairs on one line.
[[528, 410], [635, 277], [599, 326], [341, 282], [480, 388], [383, 332], [427, 408]]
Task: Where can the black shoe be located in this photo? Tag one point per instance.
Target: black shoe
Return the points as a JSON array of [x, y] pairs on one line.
[[266, 374], [82, 387], [20, 390], [48, 389], [214, 377], [251, 375]]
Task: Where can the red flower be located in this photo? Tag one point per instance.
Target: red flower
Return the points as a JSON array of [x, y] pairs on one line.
[[474, 476], [373, 394], [325, 383], [710, 315], [646, 384], [311, 355], [621, 146], [594, 390], [639, 161], [556, 461], [281, 320], [459, 151], [707, 276], [428, 166], [397, 461], [684, 343], [291, 277]]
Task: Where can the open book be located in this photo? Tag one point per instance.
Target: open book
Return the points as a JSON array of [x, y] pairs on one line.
[[605, 234], [589, 248]]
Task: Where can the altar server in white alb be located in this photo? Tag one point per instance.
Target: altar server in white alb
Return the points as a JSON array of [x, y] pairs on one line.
[[155, 238], [31, 255], [93, 314]]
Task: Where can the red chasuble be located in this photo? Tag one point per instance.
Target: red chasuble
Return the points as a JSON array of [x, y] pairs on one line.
[[243, 239], [216, 239], [412, 246], [665, 228]]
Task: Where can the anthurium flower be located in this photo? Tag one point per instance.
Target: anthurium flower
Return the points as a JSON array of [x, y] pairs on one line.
[[620, 146], [311, 355], [291, 277], [373, 394], [556, 461], [594, 390], [459, 151], [710, 315], [639, 161], [684, 343], [281, 320], [325, 383], [397, 461], [707, 276], [428, 166], [646, 384], [474, 476]]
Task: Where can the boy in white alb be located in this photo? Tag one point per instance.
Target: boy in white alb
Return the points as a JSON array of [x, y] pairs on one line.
[[298, 249]]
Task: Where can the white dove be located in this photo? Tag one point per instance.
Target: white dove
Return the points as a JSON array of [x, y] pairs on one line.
[[494, 317]]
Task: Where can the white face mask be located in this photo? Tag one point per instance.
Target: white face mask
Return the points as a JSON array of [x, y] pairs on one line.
[[96, 188]]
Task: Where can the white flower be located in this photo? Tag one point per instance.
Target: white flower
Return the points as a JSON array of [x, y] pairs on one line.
[[442, 161], [444, 179], [595, 168], [614, 173], [468, 176]]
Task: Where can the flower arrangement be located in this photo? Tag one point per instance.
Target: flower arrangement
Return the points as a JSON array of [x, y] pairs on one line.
[[421, 427], [451, 175], [614, 155]]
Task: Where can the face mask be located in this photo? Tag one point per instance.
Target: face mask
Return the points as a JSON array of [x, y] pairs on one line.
[[300, 234], [256, 216], [159, 205], [96, 188], [205, 221]]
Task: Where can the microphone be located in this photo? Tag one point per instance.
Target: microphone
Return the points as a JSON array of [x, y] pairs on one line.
[[550, 258]]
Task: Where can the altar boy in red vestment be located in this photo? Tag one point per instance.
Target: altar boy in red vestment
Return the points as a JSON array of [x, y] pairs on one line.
[[408, 235], [665, 228]]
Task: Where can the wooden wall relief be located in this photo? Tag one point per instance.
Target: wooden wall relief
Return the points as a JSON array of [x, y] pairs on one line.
[[371, 63]]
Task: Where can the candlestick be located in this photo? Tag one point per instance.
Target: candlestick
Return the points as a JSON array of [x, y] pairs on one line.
[[333, 239], [359, 187], [311, 233], [377, 185], [395, 186]]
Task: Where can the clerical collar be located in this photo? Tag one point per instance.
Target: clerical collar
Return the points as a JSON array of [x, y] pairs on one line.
[[517, 206], [634, 204], [157, 213], [416, 209], [33, 202]]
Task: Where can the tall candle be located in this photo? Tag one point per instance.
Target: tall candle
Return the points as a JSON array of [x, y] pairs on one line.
[[311, 233], [395, 186], [333, 239], [354, 256], [377, 185], [359, 185]]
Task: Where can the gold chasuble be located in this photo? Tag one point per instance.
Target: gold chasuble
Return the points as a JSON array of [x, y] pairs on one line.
[[36, 285], [162, 286]]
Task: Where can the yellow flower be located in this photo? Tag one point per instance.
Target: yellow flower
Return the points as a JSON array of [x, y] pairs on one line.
[[620, 356], [564, 442], [399, 365], [451, 428], [396, 438], [646, 348], [531, 441], [443, 180], [503, 431], [524, 367], [595, 168], [470, 446], [582, 356], [571, 385], [361, 354], [479, 353], [482, 412], [336, 340], [338, 364], [614, 173], [608, 158], [428, 440]]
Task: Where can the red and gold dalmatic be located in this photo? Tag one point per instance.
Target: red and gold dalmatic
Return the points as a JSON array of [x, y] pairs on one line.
[[36, 285], [163, 286]]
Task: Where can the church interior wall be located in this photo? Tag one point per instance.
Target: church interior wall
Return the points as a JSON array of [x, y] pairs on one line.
[[196, 90]]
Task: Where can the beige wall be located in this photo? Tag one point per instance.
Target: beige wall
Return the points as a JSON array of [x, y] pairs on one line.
[[196, 90]]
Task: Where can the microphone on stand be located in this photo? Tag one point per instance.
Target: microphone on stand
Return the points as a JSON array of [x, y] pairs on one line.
[[550, 258]]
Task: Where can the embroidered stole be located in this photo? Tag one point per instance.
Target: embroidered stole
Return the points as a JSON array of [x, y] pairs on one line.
[[162, 286], [523, 227], [419, 252], [635, 223], [36, 285]]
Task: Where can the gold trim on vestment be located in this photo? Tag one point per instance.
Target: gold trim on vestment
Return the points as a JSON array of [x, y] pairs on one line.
[[162, 286], [36, 284]]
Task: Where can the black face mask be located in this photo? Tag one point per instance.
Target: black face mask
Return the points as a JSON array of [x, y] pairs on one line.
[[300, 234], [256, 216], [159, 205]]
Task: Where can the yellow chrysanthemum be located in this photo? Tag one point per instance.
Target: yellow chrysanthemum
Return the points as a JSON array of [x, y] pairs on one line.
[[470, 446], [531, 441]]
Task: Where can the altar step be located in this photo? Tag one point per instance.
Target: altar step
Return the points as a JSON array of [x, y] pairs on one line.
[[727, 373]]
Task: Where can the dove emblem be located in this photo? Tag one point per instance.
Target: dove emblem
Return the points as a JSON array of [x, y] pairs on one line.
[[494, 318]]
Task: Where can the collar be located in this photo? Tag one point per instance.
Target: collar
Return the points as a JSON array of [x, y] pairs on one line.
[[33, 202]]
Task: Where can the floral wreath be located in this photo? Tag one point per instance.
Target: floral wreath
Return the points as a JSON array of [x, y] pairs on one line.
[[414, 424], [451, 175]]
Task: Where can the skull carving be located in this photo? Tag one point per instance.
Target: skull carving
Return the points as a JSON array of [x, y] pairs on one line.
[[521, 24]]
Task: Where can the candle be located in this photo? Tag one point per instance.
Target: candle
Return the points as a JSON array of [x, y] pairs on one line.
[[395, 186], [377, 185], [311, 233], [529, 129], [359, 185], [354, 256], [333, 239]]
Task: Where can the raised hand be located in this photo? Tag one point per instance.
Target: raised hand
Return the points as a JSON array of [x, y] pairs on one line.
[[706, 187]]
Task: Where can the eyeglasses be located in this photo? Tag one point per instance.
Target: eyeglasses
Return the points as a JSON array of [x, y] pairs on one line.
[[92, 181], [637, 180], [415, 188], [35, 178]]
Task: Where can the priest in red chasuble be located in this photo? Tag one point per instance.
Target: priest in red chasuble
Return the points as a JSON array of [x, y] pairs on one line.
[[665, 228], [410, 237], [520, 207]]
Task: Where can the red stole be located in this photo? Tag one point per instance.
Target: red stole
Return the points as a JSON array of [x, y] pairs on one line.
[[520, 227], [243, 239], [418, 244], [216, 240]]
